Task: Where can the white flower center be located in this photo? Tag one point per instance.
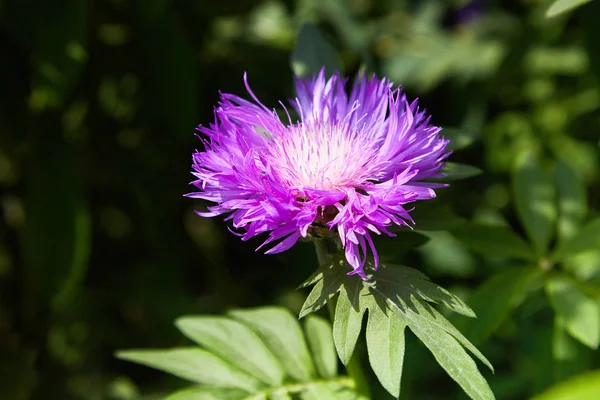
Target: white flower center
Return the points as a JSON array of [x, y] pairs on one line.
[[320, 157]]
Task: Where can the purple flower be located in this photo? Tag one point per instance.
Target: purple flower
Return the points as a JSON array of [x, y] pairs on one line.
[[348, 166]]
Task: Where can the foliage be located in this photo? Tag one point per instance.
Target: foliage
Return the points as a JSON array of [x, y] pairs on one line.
[[255, 354], [100, 252]]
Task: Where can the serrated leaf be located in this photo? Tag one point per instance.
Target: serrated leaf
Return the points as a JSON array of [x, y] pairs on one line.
[[313, 52], [234, 343], [385, 346], [347, 322], [327, 281], [493, 240], [588, 238], [207, 393], [582, 387], [413, 307], [580, 312], [193, 364], [563, 6], [398, 279], [534, 199], [319, 335], [455, 171], [452, 357], [281, 332], [495, 299], [572, 201]]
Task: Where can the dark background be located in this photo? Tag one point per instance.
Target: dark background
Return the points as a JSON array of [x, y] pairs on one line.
[[100, 251]]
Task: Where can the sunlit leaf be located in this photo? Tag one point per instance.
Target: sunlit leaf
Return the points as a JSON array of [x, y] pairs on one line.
[[319, 335], [563, 6], [280, 331], [234, 343], [405, 280], [313, 52], [385, 344], [582, 387], [404, 293], [493, 240], [348, 318], [193, 364], [535, 200], [586, 239], [579, 311], [208, 393]]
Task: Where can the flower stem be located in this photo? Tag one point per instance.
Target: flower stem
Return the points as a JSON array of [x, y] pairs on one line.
[[354, 367]]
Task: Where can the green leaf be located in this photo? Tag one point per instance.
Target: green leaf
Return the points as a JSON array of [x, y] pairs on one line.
[[582, 387], [534, 200], [572, 201], [391, 290], [404, 280], [234, 343], [407, 292], [208, 393], [588, 238], [385, 345], [493, 240], [329, 391], [451, 356], [347, 322], [193, 364], [278, 328], [327, 282], [454, 171], [563, 6], [495, 299], [579, 311], [318, 392], [313, 52], [319, 335]]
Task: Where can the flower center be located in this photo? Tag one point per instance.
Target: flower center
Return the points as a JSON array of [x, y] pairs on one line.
[[320, 157]]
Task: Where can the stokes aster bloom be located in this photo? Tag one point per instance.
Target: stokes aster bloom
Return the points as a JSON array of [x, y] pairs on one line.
[[346, 167]]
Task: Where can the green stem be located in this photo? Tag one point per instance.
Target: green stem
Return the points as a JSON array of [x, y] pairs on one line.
[[354, 367]]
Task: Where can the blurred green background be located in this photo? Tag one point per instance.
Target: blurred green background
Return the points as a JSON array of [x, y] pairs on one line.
[[100, 251]]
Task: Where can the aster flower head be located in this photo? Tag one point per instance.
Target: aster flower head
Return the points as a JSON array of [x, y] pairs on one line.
[[348, 166]]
